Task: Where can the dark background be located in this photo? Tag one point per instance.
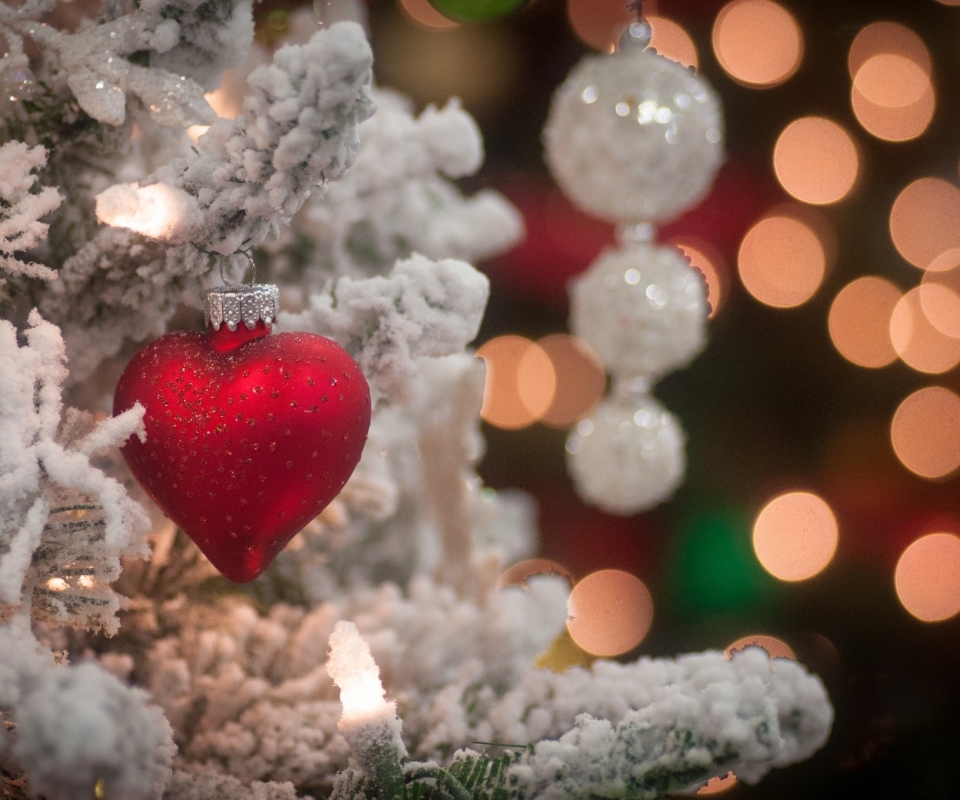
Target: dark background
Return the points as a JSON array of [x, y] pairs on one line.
[[769, 406]]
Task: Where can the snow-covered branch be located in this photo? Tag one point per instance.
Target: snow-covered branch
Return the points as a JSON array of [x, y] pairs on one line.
[[397, 199], [64, 524], [250, 174], [420, 309], [21, 209], [77, 729]]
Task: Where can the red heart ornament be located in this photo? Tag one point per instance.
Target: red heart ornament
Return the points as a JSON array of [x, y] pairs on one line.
[[249, 436]]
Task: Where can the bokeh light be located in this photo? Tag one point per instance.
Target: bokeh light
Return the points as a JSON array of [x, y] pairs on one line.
[[881, 38], [610, 611], [927, 577], [893, 96], [580, 379], [925, 224], [919, 344], [776, 648], [892, 81], [783, 258], [671, 40], [598, 23], [795, 536], [894, 123], [718, 785], [520, 382], [421, 13], [816, 160], [757, 42], [925, 432], [518, 574], [859, 321], [707, 259], [940, 299], [478, 63]]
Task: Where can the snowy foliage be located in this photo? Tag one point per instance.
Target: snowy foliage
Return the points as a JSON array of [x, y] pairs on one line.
[[64, 524], [21, 209], [78, 726], [420, 309], [251, 173], [396, 199]]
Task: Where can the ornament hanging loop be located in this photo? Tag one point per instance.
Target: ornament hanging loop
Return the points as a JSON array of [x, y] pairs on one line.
[[637, 34]]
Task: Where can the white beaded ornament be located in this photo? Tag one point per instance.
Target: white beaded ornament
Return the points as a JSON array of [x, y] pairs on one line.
[[627, 456], [634, 136], [643, 308]]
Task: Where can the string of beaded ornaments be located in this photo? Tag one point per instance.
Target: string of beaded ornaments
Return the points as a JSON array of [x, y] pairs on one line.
[[634, 138]]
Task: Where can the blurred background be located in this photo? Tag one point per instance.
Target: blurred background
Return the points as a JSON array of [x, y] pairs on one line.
[[820, 515]]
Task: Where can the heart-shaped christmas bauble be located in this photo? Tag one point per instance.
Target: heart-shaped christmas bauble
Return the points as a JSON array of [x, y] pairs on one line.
[[249, 435]]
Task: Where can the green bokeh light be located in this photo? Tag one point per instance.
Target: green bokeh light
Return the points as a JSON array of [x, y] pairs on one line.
[[477, 10], [713, 565]]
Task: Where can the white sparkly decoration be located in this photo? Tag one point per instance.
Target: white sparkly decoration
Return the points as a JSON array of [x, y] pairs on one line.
[[643, 308], [627, 456], [634, 137]]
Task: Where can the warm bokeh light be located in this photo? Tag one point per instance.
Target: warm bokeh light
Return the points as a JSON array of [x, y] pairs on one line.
[[718, 785], [707, 259], [421, 13], [520, 382], [925, 432], [517, 574], [880, 38], [783, 259], [859, 321], [610, 611], [940, 299], [925, 224], [892, 81], [757, 42], [892, 96], [580, 379], [477, 63], [894, 123], [194, 132], [919, 344], [536, 381], [776, 648], [927, 577], [816, 160], [227, 99], [671, 40], [795, 536], [598, 23]]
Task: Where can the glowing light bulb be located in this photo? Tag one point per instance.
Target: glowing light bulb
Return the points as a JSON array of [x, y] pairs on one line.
[[353, 670], [158, 211]]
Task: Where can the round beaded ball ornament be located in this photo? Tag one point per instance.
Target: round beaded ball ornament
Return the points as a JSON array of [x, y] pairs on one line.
[[634, 136]]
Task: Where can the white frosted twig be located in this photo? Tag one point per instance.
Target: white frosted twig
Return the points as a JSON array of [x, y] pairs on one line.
[[21, 209], [64, 524]]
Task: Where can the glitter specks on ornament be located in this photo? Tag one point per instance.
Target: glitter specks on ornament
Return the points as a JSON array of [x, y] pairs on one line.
[[634, 138]]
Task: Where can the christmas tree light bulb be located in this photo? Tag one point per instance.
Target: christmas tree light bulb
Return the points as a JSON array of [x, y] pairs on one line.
[[153, 210]]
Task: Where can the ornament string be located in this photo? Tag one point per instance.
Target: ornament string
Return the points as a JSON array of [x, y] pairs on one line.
[[222, 258]]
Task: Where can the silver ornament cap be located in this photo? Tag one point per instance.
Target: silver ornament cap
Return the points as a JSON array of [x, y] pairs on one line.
[[247, 304]]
